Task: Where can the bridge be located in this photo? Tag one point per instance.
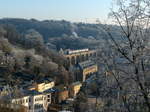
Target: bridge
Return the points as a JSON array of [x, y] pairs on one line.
[[76, 56]]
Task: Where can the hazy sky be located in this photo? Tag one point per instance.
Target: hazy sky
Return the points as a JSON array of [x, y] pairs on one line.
[[73, 10]]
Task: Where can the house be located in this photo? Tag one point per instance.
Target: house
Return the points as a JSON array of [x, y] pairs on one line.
[[74, 88], [61, 94], [38, 103], [86, 69], [48, 95], [36, 97], [24, 100], [34, 101], [42, 85]]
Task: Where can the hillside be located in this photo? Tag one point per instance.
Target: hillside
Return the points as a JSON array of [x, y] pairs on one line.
[[26, 55], [59, 34]]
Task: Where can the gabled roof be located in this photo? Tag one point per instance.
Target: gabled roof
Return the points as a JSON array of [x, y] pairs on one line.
[[51, 90], [31, 92], [45, 80], [76, 83], [86, 64]]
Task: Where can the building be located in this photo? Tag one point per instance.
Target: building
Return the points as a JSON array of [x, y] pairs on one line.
[[77, 56], [86, 69], [39, 103], [36, 97], [61, 94], [74, 88], [22, 101], [34, 101], [42, 85]]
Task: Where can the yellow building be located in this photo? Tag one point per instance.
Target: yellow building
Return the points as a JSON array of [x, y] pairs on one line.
[[90, 69], [86, 69], [40, 87], [43, 85], [74, 88]]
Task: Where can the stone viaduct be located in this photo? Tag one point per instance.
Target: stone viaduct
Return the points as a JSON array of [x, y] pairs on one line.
[[77, 57]]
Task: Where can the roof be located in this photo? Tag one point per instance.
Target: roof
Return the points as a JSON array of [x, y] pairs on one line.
[[45, 80], [86, 64], [69, 51], [51, 90], [76, 83], [31, 92]]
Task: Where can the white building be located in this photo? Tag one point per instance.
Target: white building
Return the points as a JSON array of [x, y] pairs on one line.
[[34, 101]]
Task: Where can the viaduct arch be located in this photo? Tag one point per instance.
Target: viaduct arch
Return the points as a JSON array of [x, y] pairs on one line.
[[80, 57]]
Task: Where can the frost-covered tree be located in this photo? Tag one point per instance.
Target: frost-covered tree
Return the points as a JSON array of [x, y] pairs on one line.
[[128, 57]]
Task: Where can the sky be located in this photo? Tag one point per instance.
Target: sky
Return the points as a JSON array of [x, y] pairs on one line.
[[71, 10]]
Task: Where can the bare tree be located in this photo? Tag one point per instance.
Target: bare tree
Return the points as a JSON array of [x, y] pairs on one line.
[[130, 65]]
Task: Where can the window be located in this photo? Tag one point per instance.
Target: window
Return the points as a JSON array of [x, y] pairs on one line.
[[20, 101], [39, 99], [48, 100], [38, 106], [48, 96], [29, 99]]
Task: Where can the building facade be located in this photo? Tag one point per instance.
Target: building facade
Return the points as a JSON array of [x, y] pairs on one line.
[[42, 86], [34, 101], [77, 56], [61, 94], [74, 89], [86, 69]]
